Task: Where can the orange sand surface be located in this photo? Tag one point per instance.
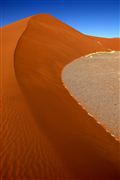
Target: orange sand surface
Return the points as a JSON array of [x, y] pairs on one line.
[[45, 134]]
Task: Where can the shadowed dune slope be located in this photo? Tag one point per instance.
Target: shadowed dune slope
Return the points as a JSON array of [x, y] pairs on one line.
[[25, 151], [45, 47]]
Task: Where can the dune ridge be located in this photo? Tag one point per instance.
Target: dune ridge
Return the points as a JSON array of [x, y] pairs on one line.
[[25, 152], [53, 137]]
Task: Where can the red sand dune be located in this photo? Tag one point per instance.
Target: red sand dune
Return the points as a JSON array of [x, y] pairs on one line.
[[111, 44], [45, 134]]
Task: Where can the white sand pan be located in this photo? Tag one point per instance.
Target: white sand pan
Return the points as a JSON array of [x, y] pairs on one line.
[[94, 81]]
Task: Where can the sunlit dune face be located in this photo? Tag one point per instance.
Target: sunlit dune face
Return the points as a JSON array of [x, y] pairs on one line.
[[94, 81], [43, 135]]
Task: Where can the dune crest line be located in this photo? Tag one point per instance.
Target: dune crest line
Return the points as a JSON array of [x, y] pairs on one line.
[[25, 150]]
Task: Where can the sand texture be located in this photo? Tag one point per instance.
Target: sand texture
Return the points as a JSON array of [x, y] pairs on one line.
[[45, 134]]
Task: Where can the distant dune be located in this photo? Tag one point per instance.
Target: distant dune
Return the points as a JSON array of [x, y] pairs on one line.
[[45, 134]]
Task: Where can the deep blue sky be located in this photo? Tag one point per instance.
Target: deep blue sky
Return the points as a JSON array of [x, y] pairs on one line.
[[94, 17]]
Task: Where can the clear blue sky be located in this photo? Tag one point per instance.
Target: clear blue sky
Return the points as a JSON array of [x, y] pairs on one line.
[[94, 17]]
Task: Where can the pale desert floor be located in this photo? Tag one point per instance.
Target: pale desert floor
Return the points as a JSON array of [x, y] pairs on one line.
[[94, 81]]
